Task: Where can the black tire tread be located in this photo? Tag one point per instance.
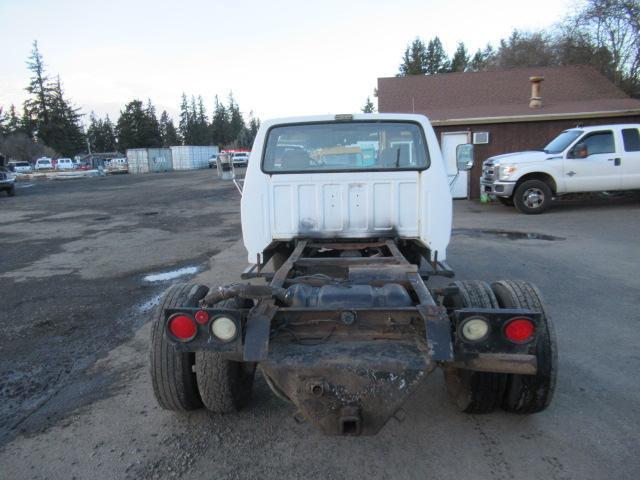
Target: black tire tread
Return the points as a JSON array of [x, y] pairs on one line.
[[528, 394], [225, 386], [517, 197], [478, 392], [172, 377]]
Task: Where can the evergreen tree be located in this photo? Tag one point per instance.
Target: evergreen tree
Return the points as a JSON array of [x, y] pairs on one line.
[[101, 135], [151, 126], [201, 126], [37, 107], [64, 132], [483, 59], [12, 123], [368, 106], [220, 127], [168, 131], [436, 60], [236, 122], [135, 128], [414, 59], [185, 125], [460, 60]]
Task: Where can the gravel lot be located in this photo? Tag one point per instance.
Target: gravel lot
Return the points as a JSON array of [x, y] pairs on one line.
[[76, 401]]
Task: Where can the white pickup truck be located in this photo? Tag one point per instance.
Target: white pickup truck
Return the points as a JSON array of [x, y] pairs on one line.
[[586, 159], [346, 218]]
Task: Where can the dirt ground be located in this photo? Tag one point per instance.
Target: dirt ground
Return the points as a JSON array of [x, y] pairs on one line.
[[76, 400]]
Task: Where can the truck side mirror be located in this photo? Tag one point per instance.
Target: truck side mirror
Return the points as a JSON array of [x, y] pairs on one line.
[[464, 157], [224, 166], [579, 151]]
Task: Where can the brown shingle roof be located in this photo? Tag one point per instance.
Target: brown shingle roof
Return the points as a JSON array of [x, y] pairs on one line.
[[502, 93]]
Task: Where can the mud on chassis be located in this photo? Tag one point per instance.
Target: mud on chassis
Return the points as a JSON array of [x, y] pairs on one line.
[[347, 330]]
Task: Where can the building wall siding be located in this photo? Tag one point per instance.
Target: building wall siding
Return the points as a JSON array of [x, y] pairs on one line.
[[515, 137]]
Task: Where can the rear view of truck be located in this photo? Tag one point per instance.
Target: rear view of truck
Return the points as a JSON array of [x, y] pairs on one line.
[[345, 220]]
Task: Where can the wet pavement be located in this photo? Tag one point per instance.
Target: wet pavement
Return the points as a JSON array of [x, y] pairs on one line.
[[83, 263]]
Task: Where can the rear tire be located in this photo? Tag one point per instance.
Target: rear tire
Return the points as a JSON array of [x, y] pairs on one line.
[[472, 391], [530, 393], [172, 376], [532, 197], [12, 191], [225, 386]]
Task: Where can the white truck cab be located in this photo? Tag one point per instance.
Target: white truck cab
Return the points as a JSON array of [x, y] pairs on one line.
[[346, 218], [369, 175], [585, 159]]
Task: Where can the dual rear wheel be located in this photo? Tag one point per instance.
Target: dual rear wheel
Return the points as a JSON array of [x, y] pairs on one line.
[[483, 392], [184, 381]]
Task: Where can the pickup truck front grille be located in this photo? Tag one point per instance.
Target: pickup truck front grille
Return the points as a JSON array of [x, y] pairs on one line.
[[3, 176], [489, 172]]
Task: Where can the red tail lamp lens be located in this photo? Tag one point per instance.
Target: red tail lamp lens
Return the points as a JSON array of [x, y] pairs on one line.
[[202, 317], [519, 330], [182, 327]]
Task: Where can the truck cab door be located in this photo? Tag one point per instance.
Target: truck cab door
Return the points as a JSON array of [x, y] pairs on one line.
[[593, 163], [630, 159]]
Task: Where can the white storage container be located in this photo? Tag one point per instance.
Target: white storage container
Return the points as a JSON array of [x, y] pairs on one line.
[[190, 157]]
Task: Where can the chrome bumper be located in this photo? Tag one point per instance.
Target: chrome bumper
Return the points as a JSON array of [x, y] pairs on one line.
[[495, 187]]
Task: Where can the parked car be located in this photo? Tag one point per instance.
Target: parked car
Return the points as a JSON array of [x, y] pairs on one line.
[[213, 160], [65, 164], [44, 163], [84, 166], [587, 159], [20, 167], [7, 181], [240, 159]]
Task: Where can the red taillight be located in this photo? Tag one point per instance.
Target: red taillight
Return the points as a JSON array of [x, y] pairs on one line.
[[519, 330], [182, 327], [202, 317]]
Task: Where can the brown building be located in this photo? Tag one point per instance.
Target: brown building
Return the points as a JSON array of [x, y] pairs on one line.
[[504, 111]]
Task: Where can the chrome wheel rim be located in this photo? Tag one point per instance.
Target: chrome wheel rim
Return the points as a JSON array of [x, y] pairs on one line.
[[533, 198]]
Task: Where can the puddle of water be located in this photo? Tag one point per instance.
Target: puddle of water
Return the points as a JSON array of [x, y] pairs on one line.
[[150, 304], [25, 185], [170, 275], [101, 219], [148, 214], [508, 234]]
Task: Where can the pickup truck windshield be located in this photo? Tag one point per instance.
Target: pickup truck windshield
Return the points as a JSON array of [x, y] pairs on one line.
[[349, 146], [562, 141]]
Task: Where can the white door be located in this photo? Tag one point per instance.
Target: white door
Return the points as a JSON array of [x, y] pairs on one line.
[[458, 181], [599, 170], [630, 159]]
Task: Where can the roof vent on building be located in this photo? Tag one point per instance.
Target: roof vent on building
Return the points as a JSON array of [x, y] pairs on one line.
[[536, 100]]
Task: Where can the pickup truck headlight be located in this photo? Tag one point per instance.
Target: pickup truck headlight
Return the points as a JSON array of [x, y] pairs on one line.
[[505, 171]]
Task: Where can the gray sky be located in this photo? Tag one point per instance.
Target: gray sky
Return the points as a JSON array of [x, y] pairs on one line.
[[279, 57]]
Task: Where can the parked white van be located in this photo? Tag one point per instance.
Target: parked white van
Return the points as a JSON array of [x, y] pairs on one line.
[[65, 164]]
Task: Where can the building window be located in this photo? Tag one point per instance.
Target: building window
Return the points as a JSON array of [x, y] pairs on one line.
[[631, 139]]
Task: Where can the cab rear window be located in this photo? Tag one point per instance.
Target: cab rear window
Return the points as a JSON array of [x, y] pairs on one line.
[[349, 146]]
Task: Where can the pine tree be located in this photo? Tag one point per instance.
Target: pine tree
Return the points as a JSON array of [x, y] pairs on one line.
[[436, 60], [151, 126], [64, 132], [12, 123], [135, 129], [37, 107], [482, 59], [201, 127], [368, 106], [414, 59], [236, 122], [460, 60], [185, 124], [168, 131], [220, 125]]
